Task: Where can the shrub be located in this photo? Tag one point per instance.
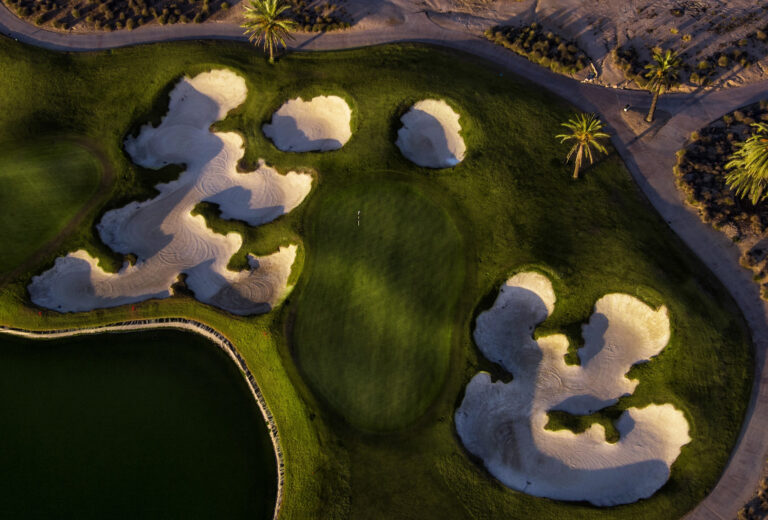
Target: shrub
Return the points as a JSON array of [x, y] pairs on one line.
[[695, 78], [546, 49], [722, 61]]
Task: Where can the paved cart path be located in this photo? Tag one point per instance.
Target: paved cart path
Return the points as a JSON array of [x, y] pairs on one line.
[[650, 157]]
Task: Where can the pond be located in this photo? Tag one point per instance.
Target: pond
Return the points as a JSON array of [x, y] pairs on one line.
[[154, 424]]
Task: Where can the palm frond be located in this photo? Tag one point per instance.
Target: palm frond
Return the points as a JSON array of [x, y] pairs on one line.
[[267, 24], [585, 131], [749, 166]]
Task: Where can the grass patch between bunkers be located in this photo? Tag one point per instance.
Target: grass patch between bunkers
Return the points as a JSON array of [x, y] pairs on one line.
[[374, 322]]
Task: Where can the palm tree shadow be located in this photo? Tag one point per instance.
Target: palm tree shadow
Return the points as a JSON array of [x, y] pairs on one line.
[[634, 119]]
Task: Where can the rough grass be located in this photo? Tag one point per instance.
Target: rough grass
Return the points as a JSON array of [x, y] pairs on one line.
[[376, 340], [42, 185], [514, 206]]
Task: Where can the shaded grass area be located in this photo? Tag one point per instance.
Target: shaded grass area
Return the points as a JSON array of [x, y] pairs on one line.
[[143, 425], [513, 205], [560, 420], [373, 326], [42, 186]]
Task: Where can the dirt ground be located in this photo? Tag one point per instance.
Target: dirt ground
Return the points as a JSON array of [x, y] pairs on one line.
[[696, 28]]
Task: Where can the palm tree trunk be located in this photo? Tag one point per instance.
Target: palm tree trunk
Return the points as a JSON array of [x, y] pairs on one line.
[[649, 117], [577, 166]]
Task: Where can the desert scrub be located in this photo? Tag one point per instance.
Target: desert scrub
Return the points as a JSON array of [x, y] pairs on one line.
[[757, 507], [319, 17], [544, 48], [628, 59], [700, 173], [114, 14], [743, 52]]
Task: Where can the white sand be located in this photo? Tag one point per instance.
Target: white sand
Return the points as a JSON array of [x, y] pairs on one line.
[[430, 135], [162, 233], [503, 423], [304, 126]]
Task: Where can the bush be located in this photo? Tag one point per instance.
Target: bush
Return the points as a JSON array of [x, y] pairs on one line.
[[695, 78], [722, 61], [546, 49]]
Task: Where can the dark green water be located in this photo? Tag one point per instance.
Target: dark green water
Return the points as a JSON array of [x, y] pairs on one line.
[[140, 425]]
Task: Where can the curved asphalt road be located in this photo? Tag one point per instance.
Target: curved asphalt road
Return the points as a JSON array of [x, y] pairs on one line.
[[650, 157]]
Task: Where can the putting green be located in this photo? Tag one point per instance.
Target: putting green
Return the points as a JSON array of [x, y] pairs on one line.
[[42, 186], [375, 342]]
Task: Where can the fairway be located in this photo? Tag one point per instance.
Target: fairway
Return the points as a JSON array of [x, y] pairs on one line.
[[376, 336], [42, 186], [373, 327]]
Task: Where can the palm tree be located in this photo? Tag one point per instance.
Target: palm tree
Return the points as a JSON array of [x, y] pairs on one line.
[[662, 74], [586, 134], [267, 25], [749, 165]]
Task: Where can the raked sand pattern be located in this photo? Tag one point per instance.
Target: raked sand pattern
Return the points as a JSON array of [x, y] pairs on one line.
[[166, 239], [430, 135], [503, 423], [321, 124]]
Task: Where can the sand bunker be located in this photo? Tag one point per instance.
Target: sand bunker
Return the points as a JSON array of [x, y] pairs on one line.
[[305, 126], [430, 135], [163, 234], [503, 423]]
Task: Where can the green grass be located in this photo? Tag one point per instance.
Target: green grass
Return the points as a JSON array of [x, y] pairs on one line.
[[373, 327], [43, 183], [514, 207]]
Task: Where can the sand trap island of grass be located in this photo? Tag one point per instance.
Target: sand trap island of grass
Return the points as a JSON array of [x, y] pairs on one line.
[[163, 234], [321, 124], [504, 423], [430, 135]]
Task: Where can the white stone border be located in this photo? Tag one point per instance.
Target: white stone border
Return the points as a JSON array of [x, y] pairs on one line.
[[199, 328]]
